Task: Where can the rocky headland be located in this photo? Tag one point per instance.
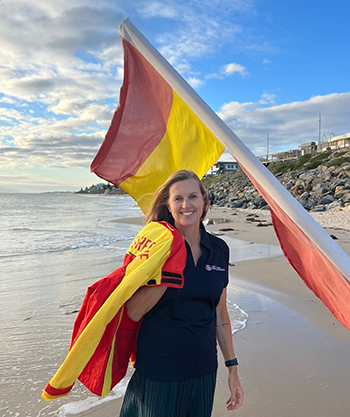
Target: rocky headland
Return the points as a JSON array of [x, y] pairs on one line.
[[322, 188], [102, 188]]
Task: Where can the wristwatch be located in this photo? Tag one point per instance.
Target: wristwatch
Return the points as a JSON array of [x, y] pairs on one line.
[[231, 362]]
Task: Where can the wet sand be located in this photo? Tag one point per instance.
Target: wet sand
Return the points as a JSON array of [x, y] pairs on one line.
[[294, 355]]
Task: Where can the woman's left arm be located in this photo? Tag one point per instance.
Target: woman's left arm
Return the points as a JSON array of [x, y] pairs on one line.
[[224, 337]]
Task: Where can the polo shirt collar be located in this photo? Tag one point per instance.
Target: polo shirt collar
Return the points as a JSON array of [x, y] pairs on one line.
[[205, 241]]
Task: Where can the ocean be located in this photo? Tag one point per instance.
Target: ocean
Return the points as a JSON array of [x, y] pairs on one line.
[[52, 247]]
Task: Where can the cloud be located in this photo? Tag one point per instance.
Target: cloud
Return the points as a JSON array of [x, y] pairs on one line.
[[64, 61], [62, 50], [26, 179], [195, 82], [197, 36], [29, 140], [73, 141], [228, 70], [289, 125], [234, 68], [7, 100], [60, 76], [158, 9], [267, 98], [61, 70], [47, 49], [199, 28]]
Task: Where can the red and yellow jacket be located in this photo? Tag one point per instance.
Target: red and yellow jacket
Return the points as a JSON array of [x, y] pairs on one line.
[[104, 337]]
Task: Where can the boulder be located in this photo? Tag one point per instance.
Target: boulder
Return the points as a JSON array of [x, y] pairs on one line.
[[327, 199], [308, 175], [304, 196], [346, 197], [335, 204], [318, 208], [340, 191], [320, 189], [297, 190], [259, 202], [289, 184], [251, 205]]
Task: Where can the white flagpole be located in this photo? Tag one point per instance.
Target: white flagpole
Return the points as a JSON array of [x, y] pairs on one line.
[[246, 158]]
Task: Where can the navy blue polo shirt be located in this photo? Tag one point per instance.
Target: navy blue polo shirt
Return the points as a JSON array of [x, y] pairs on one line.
[[177, 338]]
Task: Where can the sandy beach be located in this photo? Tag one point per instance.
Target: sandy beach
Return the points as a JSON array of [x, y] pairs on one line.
[[294, 355]]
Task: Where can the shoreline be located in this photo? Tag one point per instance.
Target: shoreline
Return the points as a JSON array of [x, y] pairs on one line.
[[293, 353]]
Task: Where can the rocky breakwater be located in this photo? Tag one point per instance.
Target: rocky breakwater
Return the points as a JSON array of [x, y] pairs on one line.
[[317, 189]]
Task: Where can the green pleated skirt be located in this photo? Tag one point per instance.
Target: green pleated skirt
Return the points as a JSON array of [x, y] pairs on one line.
[[148, 398]]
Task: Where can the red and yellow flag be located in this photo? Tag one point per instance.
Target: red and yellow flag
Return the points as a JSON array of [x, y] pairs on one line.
[[153, 133], [162, 125]]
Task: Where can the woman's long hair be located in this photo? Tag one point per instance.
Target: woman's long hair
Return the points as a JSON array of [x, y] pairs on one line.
[[159, 206]]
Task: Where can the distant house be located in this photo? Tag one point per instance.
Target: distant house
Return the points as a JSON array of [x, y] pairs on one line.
[[340, 141], [308, 148], [223, 167], [287, 155]]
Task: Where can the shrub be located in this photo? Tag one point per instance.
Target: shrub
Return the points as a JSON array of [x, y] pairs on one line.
[[339, 161], [223, 177], [287, 166], [316, 160]]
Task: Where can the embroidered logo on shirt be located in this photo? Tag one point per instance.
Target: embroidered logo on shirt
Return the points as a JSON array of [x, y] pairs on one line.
[[214, 268]]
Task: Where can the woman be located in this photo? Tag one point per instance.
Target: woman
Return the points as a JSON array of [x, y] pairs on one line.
[[176, 359]]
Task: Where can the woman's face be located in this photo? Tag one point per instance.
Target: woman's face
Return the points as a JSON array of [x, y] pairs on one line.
[[186, 203]]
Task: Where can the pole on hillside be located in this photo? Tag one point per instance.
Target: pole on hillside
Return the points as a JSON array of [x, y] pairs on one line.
[[267, 147], [319, 131]]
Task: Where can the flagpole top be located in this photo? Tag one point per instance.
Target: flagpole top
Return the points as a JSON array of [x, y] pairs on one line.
[[125, 27], [124, 21]]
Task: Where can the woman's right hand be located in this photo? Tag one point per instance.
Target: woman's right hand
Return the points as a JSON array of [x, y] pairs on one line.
[[236, 399]]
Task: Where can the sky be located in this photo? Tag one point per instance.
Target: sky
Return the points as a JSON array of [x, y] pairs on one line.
[[267, 67]]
